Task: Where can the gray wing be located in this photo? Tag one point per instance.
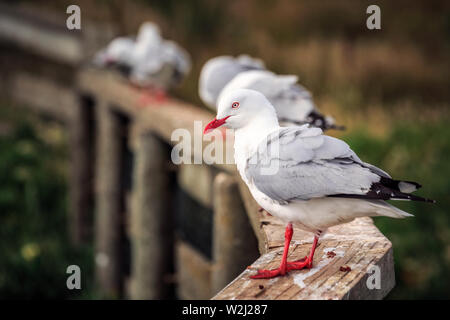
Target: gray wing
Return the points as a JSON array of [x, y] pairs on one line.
[[177, 56], [293, 103], [281, 87], [163, 65], [308, 165]]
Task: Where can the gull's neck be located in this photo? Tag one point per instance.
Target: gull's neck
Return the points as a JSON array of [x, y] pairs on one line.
[[247, 138]]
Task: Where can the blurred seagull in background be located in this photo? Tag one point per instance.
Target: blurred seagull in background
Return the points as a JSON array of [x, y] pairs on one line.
[[150, 61], [157, 62], [301, 176], [218, 71], [293, 103]]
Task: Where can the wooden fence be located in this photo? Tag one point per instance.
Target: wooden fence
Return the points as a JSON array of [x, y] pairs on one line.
[[107, 121]]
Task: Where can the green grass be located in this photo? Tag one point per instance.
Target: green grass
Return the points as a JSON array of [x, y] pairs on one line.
[[34, 250], [421, 244]]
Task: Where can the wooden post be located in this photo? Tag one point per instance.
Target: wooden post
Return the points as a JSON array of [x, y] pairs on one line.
[[234, 244], [108, 231], [347, 255], [81, 180], [151, 220], [254, 216]]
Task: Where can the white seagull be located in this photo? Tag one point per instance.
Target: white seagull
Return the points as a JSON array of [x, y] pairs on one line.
[[157, 62], [218, 71], [149, 61], [301, 176], [293, 103]]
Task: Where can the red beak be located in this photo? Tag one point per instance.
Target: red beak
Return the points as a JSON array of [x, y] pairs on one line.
[[214, 124]]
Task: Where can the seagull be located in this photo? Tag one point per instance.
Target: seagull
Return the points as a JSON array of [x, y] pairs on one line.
[[157, 62], [149, 61], [218, 71], [301, 176], [293, 103]]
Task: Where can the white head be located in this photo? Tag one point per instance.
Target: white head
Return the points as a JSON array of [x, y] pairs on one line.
[[242, 107], [149, 33]]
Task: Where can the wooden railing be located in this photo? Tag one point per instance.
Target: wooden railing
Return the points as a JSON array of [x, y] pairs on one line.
[[105, 115]]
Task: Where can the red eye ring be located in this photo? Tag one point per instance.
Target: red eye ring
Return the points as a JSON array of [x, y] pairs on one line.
[[235, 105]]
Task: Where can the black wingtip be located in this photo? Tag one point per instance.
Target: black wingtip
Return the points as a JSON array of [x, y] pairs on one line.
[[337, 127], [429, 200], [413, 197]]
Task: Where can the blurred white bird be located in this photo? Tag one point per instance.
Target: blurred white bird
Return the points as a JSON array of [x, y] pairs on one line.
[[294, 104], [218, 71], [149, 61], [301, 176], [157, 62]]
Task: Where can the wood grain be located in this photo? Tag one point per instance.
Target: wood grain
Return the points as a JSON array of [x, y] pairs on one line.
[[357, 245]]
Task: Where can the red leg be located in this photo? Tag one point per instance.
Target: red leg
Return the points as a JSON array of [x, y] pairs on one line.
[[282, 269], [306, 261], [160, 95], [286, 266], [313, 249], [146, 97]]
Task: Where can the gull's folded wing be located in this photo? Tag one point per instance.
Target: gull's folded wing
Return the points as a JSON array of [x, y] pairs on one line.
[[299, 163]]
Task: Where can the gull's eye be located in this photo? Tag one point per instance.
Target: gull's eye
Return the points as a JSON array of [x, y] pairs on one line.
[[235, 105]]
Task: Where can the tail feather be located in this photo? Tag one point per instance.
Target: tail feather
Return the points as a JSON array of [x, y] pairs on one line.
[[383, 208], [400, 185], [389, 189], [412, 197], [336, 127], [401, 190]]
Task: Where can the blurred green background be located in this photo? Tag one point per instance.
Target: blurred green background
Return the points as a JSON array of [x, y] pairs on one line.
[[390, 87]]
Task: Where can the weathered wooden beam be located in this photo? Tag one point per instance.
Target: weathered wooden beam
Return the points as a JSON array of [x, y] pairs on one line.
[[108, 216], [152, 228], [193, 273], [344, 259], [196, 181], [234, 243], [254, 216], [81, 171]]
